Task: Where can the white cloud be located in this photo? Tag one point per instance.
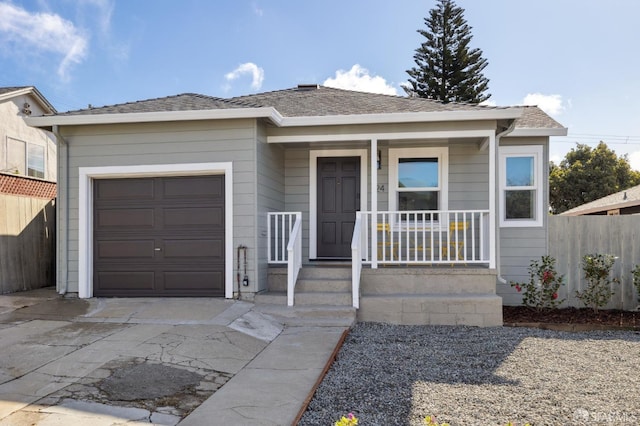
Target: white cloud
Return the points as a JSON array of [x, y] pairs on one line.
[[358, 78], [42, 32], [634, 160], [256, 9], [551, 104], [257, 74]]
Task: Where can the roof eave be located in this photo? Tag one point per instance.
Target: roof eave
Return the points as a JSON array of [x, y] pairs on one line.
[[402, 117], [584, 211], [159, 116], [538, 131]]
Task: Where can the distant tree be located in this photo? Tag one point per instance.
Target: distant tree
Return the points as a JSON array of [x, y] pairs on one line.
[[447, 69], [586, 174]]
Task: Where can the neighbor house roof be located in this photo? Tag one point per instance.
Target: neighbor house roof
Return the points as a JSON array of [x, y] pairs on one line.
[[626, 198], [291, 106], [10, 92]]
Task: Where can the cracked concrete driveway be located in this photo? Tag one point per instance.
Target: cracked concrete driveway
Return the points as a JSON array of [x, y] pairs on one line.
[[142, 361]]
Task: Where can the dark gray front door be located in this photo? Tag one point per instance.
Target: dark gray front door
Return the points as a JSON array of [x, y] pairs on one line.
[[338, 201], [161, 236]]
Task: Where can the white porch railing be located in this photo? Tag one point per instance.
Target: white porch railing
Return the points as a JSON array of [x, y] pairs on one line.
[[356, 261], [426, 237], [284, 236]]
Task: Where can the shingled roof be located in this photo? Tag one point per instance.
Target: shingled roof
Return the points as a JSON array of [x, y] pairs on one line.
[[314, 101]]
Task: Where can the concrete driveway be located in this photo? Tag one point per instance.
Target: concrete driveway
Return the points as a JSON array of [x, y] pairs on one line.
[[192, 361]]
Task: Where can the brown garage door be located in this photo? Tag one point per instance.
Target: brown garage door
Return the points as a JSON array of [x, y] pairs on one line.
[[159, 236]]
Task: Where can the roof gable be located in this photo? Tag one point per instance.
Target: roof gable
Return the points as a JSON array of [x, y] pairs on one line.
[[625, 198], [11, 92]]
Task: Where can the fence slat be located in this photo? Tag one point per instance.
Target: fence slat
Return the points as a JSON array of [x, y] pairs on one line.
[[572, 237]]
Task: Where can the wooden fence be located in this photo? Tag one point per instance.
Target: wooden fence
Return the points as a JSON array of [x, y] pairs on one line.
[[27, 243], [572, 237]]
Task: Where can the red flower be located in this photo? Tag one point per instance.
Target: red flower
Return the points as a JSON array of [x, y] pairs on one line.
[[554, 296], [547, 276], [518, 288]]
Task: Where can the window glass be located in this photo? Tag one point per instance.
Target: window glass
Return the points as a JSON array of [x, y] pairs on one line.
[[520, 204], [520, 171], [35, 160], [418, 173], [16, 161], [410, 200]]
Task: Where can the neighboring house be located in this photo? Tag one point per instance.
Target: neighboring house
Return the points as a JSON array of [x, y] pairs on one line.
[[620, 203], [25, 151], [161, 196], [27, 188]]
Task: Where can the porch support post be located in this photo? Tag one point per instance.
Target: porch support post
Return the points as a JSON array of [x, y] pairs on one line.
[[374, 203], [492, 201]]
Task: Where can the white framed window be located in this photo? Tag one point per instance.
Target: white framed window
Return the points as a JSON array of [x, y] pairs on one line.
[[25, 158], [418, 179], [521, 186]]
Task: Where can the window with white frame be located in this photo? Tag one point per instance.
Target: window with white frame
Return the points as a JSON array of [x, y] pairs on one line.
[[25, 158], [418, 179], [521, 186]]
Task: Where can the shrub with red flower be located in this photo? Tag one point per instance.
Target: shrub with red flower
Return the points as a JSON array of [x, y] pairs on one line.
[[542, 289]]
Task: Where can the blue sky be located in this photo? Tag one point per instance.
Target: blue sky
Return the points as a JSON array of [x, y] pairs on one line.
[[577, 59]]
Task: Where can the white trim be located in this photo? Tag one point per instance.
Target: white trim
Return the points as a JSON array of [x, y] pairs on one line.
[[493, 235], [313, 188], [523, 132], [157, 116], [85, 210], [535, 151], [352, 137], [374, 201], [441, 153], [275, 116]]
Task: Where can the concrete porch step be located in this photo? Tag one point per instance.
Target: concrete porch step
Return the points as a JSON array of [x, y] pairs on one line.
[[326, 316], [483, 310], [314, 298]]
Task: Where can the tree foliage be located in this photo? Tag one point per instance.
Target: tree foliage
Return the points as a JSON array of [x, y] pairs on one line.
[[447, 69], [586, 174]]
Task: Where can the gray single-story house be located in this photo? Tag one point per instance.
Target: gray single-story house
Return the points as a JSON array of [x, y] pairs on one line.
[[425, 209]]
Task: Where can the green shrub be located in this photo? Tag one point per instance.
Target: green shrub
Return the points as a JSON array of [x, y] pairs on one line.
[[597, 272], [636, 279], [542, 289]]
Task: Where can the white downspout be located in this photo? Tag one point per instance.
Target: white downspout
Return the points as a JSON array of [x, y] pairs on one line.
[[62, 274], [499, 136]]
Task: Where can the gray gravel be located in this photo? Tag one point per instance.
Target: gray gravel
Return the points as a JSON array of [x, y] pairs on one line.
[[397, 375]]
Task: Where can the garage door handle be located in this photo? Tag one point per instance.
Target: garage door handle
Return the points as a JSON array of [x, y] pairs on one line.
[[157, 249]]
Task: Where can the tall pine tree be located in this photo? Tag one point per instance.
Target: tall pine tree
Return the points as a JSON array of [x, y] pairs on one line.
[[447, 69]]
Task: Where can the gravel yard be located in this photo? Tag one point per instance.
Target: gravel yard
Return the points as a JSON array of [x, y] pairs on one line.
[[397, 375]]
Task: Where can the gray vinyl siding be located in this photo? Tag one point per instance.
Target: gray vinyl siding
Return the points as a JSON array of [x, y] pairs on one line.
[[296, 183], [269, 198], [165, 143], [519, 246], [468, 177]]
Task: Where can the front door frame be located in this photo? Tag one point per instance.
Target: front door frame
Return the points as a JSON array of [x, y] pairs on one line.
[[85, 210], [313, 188]]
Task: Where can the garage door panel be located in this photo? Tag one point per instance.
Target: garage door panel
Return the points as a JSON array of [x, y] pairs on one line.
[[195, 249], [124, 189], [160, 236], [194, 188], [125, 218], [123, 280], [127, 249], [192, 217], [186, 280]]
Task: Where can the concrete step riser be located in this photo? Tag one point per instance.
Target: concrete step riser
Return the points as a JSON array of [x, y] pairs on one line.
[[407, 283], [312, 285], [329, 299], [478, 310], [329, 272]]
